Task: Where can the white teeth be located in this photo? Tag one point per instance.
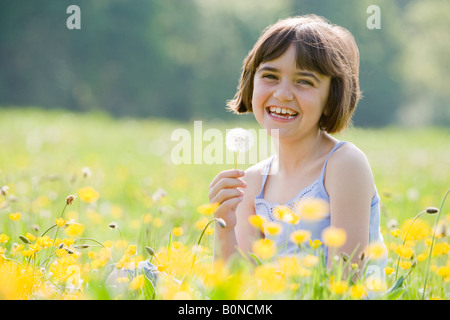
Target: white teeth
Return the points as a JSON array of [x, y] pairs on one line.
[[281, 110]]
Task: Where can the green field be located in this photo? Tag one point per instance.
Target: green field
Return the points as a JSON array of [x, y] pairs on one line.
[[43, 154]]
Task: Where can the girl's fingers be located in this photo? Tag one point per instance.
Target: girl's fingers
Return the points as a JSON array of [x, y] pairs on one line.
[[225, 183], [229, 204], [226, 194], [233, 173]]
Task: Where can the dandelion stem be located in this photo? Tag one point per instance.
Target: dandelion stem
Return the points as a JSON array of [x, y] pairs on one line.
[[200, 239], [235, 159], [432, 243], [404, 240], [90, 239]]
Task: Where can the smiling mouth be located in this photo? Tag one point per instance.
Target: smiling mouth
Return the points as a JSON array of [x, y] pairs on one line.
[[281, 113]]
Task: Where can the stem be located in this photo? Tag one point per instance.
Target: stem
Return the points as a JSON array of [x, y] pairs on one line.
[[432, 243], [84, 239], [404, 240], [235, 159], [200, 239]]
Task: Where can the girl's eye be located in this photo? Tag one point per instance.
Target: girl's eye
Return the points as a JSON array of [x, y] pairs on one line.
[[270, 76], [306, 82]]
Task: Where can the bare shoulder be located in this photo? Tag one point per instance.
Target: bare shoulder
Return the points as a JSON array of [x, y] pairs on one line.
[[253, 177], [349, 168]]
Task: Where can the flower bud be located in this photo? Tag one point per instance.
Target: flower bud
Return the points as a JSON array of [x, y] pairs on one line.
[[150, 251], [69, 199], [24, 239], [221, 223], [432, 210]]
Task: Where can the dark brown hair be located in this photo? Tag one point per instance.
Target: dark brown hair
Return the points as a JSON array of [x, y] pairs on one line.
[[321, 47]]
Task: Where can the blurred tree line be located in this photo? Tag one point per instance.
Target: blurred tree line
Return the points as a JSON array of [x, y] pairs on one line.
[[182, 58]]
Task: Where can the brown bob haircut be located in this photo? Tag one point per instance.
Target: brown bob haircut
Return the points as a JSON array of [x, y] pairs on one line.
[[321, 47]]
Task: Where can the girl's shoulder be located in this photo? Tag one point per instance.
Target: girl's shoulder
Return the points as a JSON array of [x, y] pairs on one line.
[[254, 175], [348, 167]]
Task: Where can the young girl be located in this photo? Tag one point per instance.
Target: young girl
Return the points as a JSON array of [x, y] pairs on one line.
[[300, 79]]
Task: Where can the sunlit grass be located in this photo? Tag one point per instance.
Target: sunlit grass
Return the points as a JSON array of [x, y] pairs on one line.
[[139, 199]]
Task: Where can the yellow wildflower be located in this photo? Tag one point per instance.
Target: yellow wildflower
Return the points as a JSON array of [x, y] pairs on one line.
[[376, 251], [269, 278], [30, 236], [300, 236], [405, 265], [404, 251], [357, 291], [26, 253], [208, 209], [334, 237], [15, 216], [272, 228], [3, 238], [177, 231], [137, 283], [264, 248], [315, 244], [88, 194], [339, 287], [444, 271], [284, 213], [395, 233], [256, 221], [312, 209], [74, 229], [388, 270], [310, 261], [131, 250]]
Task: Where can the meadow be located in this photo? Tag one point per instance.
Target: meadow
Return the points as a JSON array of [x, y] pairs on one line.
[[84, 195]]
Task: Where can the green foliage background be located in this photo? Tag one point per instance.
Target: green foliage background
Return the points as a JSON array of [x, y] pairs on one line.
[[182, 59]]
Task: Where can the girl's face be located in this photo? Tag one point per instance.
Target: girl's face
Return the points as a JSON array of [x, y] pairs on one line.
[[289, 99]]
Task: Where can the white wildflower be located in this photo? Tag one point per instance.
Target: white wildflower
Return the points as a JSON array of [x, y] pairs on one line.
[[239, 140]]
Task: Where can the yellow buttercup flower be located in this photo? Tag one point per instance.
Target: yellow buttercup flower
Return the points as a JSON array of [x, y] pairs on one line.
[[388, 270], [60, 222], [264, 248], [208, 209], [177, 231], [405, 265], [74, 229], [334, 237], [315, 244], [339, 287], [404, 251], [3, 238], [137, 283], [395, 233], [284, 213], [272, 228], [300, 236], [15, 216], [357, 291], [312, 209], [256, 221], [376, 251], [88, 194]]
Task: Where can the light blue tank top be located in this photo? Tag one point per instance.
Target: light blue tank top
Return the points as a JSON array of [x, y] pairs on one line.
[[265, 208]]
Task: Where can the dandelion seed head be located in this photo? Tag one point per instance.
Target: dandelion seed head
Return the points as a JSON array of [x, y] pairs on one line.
[[239, 140]]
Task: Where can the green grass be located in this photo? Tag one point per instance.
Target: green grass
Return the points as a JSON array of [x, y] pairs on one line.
[[42, 154]]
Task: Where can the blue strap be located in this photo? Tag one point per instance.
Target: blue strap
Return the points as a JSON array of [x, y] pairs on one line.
[[264, 178], [322, 174]]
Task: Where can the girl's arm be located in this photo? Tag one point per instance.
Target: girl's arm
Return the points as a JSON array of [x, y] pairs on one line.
[[236, 205], [350, 185]]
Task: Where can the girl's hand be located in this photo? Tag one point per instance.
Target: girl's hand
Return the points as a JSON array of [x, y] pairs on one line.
[[224, 189]]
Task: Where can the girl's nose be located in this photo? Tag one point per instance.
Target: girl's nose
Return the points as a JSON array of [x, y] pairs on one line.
[[283, 92]]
